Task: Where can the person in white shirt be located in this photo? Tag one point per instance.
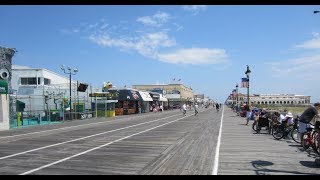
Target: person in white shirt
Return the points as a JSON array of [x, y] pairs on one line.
[[289, 119], [184, 108], [281, 117], [196, 107]]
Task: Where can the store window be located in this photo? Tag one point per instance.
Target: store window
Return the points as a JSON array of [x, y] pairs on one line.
[[47, 81], [30, 81]]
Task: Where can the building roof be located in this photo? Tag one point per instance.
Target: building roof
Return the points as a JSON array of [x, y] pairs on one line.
[[20, 67]]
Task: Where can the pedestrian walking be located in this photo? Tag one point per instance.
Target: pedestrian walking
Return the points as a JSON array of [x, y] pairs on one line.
[[196, 109], [184, 108], [248, 108], [217, 107]]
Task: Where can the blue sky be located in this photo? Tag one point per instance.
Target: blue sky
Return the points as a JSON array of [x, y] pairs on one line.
[[207, 47]]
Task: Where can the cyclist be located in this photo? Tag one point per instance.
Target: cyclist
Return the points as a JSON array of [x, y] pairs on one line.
[[289, 119], [307, 116]]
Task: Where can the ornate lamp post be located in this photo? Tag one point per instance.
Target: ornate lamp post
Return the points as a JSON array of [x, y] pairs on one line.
[[69, 71], [237, 94], [248, 76]]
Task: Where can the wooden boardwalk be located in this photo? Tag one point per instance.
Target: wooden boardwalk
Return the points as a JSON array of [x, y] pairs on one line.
[[166, 143], [246, 153]]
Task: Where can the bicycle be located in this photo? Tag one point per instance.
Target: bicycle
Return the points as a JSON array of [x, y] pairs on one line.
[[317, 136], [281, 130], [309, 138], [273, 121]]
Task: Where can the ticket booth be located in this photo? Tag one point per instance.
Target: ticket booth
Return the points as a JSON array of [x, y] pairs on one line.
[[104, 104]]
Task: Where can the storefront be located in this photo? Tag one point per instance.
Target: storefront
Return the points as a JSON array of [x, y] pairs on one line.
[[129, 101], [163, 101], [174, 101], [104, 103], [145, 104], [155, 103]]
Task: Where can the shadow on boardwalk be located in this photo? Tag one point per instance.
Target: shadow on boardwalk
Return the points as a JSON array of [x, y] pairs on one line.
[[260, 168], [244, 151]]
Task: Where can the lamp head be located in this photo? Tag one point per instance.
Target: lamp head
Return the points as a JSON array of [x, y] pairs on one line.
[[248, 71], [62, 67], [75, 70]]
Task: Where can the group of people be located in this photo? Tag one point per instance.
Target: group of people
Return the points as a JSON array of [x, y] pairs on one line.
[[310, 114], [156, 108], [304, 119], [196, 109], [253, 113]]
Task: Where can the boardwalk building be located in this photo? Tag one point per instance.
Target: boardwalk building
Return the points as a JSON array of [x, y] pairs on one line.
[[175, 93], [272, 99]]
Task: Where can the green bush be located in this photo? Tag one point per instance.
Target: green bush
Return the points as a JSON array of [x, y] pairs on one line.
[[294, 109]]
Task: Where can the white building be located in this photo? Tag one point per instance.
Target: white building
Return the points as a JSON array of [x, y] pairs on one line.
[[280, 99], [31, 85], [276, 99]]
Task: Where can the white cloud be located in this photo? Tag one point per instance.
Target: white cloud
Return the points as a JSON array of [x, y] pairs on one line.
[[311, 44], [147, 45], [69, 31], [156, 20], [178, 26], [194, 9], [107, 41], [75, 30], [103, 26], [302, 68], [152, 44], [195, 56], [315, 34]]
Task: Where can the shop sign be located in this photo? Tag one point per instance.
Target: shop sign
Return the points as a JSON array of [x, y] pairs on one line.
[[98, 95], [3, 87]]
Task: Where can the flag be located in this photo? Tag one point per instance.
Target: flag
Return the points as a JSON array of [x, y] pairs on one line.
[[244, 83], [173, 79], [179, 79]]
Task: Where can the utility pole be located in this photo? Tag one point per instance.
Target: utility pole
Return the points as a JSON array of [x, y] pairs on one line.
[[75, 70]]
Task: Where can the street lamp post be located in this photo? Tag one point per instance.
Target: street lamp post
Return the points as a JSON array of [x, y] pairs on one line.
[[248, 75], [69, 71], [317, 160], [237, 95]]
